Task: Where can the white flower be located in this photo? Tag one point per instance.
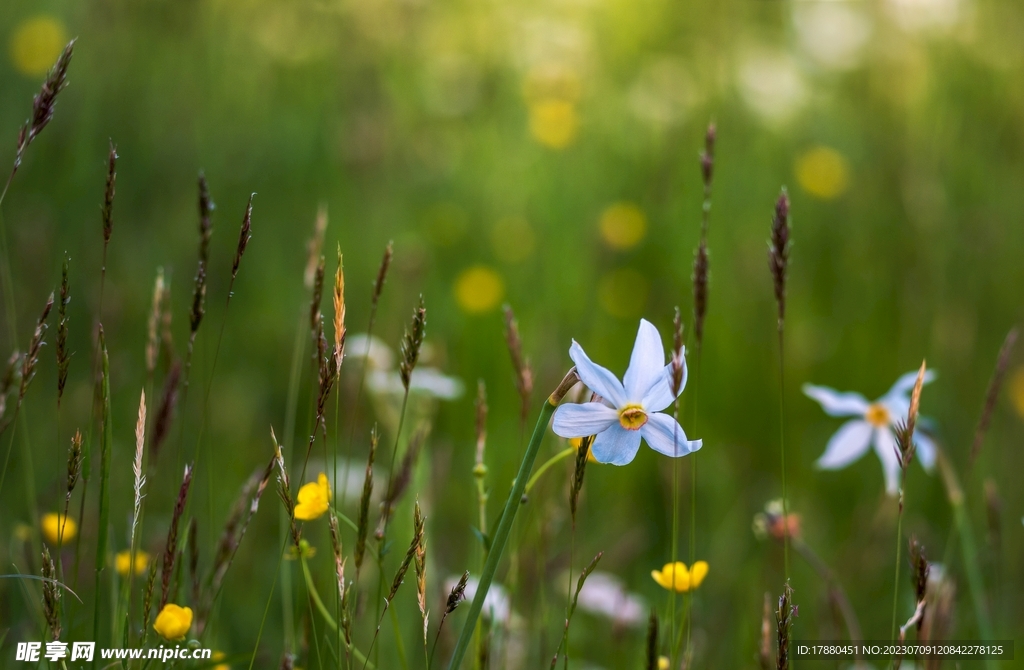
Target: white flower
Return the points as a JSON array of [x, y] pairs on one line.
[[630, 409], [873, 426], [605, 595]]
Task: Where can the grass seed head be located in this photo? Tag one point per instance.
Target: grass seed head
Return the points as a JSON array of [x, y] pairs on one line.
[[51, 595], [382, 273], [244, 235], [412, 342], [108, 194], [44, 103], [778, 252]]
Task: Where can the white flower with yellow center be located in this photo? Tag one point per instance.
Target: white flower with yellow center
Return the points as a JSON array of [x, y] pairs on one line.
[[630, 409], [873, 426]]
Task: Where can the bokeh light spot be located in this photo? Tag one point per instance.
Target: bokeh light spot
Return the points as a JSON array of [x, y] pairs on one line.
[[36, 44], [823, 172], [513, 240], [623, 225], [479, 289], [554, 123], [623, 293]]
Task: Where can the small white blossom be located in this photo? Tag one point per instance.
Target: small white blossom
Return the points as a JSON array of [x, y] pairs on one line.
[[873, 427]]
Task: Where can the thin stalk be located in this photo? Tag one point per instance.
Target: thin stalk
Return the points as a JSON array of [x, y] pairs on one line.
[[328, 619], [502, 532], [899, 547], [547, 465], [104, 511], [782, 443]]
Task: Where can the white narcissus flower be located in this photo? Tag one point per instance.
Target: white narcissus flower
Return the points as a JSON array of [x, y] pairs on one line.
[[630, 409], [874, 426]]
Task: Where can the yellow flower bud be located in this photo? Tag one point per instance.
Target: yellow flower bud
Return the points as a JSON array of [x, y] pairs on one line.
[[173, 621]]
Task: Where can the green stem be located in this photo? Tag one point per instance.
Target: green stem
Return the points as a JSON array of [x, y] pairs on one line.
[[501, 534], [105, 445], [560, 456], [896, 579]]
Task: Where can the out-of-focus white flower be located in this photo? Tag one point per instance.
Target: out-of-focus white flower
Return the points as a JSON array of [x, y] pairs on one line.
[[771, 85], [425, 380], [497, 605], [605, 595], [934, 16], [379, 355], [833, 34], [874, 424], [663, 93]]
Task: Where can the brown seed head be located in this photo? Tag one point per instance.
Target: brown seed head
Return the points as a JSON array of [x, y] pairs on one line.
[[382, 274], [44, 103], [108, 194], [244, 235], [778, 252]]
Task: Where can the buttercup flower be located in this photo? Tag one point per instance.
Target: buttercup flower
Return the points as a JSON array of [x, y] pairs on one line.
[[663, 663], [123, 562], [173, 621], [314, 499], [630, 409], [220, 656], [873, 426], [51, 523], [676, 577]]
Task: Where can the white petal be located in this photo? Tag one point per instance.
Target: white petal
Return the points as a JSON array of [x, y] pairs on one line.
[[645, 363], [666, 436], [589, 418], [925, 450], [598, 379], [885, 447], [616, 445], [835, 403], [847, 445], [659, 396], [905, 384]]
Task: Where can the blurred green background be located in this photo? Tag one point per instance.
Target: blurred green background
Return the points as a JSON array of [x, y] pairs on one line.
[[545, 155]]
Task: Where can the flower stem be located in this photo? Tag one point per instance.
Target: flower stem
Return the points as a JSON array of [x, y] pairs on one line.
[[501, 533], [899, 547], [560, 456]]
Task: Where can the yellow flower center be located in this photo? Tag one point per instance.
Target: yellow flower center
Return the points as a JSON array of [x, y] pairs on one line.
[[877, 416], [632, 417]]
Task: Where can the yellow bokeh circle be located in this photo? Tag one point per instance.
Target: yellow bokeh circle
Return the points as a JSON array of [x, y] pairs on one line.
[[823, 172], [554, 122], [36, 44], [623, 225], [479, 289]]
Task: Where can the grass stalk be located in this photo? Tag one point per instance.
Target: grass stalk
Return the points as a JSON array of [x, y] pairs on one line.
[[507, 517]]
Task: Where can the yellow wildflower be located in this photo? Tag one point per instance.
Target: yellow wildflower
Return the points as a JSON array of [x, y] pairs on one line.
[[220, 656], [51, 524], [479, 289], [675, 576], [123, 562], [623, 225], [314, 499], [823, 172], [553, 122], [663, 663], [36, 44], [173, 621]]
